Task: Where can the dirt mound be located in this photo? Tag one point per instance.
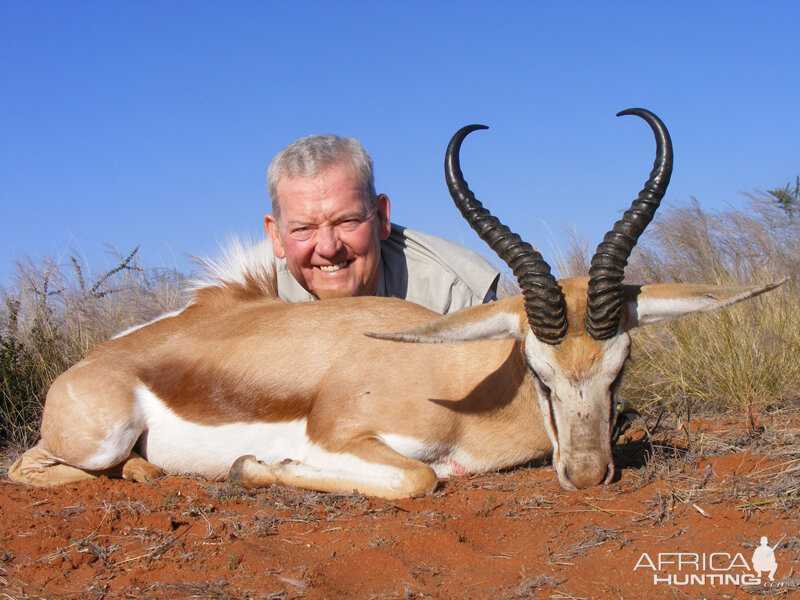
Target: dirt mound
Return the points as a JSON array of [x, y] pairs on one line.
[[672, 515]]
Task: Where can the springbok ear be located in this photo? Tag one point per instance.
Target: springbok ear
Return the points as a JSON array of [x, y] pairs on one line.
[[646, 304], [496, 320]]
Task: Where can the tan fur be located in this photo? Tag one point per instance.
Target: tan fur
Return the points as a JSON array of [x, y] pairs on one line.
[[578, 353]]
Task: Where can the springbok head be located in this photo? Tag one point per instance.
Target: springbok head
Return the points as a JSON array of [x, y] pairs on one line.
[[577, 344]]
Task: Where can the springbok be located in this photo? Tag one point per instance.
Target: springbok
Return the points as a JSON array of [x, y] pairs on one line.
[[242, 385]]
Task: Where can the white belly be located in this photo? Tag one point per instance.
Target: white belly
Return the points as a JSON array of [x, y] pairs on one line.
[[446, 460], [180, 446]]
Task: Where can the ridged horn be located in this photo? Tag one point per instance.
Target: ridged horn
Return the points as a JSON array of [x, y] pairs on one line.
[[544, 300], [604, 307]]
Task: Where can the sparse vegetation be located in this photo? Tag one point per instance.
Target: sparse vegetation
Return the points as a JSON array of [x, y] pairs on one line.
[[659, 450], [52, 315], [742, 359]]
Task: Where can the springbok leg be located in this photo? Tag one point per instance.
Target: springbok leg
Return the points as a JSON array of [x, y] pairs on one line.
[[369, 467]]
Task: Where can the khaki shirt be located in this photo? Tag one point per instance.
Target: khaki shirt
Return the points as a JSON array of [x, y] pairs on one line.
[[427, 270]]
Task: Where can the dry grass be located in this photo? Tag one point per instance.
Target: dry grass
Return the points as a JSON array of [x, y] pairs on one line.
[[53, 314], [745, 359], [742, 359], [676, 451]]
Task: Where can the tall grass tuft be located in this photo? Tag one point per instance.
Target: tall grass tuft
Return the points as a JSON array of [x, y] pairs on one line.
[[574, 259], [52, 315], [742, 359]]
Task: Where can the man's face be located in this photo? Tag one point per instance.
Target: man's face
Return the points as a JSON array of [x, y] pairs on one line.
[[328, 235]]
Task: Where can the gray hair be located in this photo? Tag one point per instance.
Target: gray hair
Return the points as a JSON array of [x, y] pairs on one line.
[[312, 154]]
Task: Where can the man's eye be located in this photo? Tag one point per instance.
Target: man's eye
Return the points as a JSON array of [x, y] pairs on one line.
[[349, 224], [302, 233]]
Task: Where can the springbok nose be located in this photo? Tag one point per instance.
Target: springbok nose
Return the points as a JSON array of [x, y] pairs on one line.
[[586, 471]]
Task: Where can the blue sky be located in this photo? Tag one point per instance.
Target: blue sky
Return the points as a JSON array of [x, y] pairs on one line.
[[152, 123]]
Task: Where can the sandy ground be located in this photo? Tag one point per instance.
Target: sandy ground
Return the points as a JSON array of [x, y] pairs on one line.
[[506, 535]]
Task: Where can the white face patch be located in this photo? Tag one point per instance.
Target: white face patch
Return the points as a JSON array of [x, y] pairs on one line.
[[578, 411]]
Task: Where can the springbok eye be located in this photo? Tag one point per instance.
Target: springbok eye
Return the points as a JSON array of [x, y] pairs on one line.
[[617, 382], [544, 390]]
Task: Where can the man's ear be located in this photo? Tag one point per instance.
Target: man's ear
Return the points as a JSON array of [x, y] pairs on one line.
[[271, 227], [384, 225]]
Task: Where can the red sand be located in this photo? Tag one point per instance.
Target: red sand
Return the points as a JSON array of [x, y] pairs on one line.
[[504, 535]]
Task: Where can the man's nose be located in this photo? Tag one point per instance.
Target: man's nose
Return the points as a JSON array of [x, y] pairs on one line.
[[328, 243]]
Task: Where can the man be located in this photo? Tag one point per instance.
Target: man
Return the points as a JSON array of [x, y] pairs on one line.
[[332, 236]]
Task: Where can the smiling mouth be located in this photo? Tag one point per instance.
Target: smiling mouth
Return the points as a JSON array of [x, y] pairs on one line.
[[333, 268]]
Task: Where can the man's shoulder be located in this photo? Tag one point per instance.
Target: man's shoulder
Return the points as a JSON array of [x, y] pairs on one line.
[[435, 272]]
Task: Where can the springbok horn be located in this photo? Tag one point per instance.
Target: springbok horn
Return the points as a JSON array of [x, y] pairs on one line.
[[604, 308], [544, 300]]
